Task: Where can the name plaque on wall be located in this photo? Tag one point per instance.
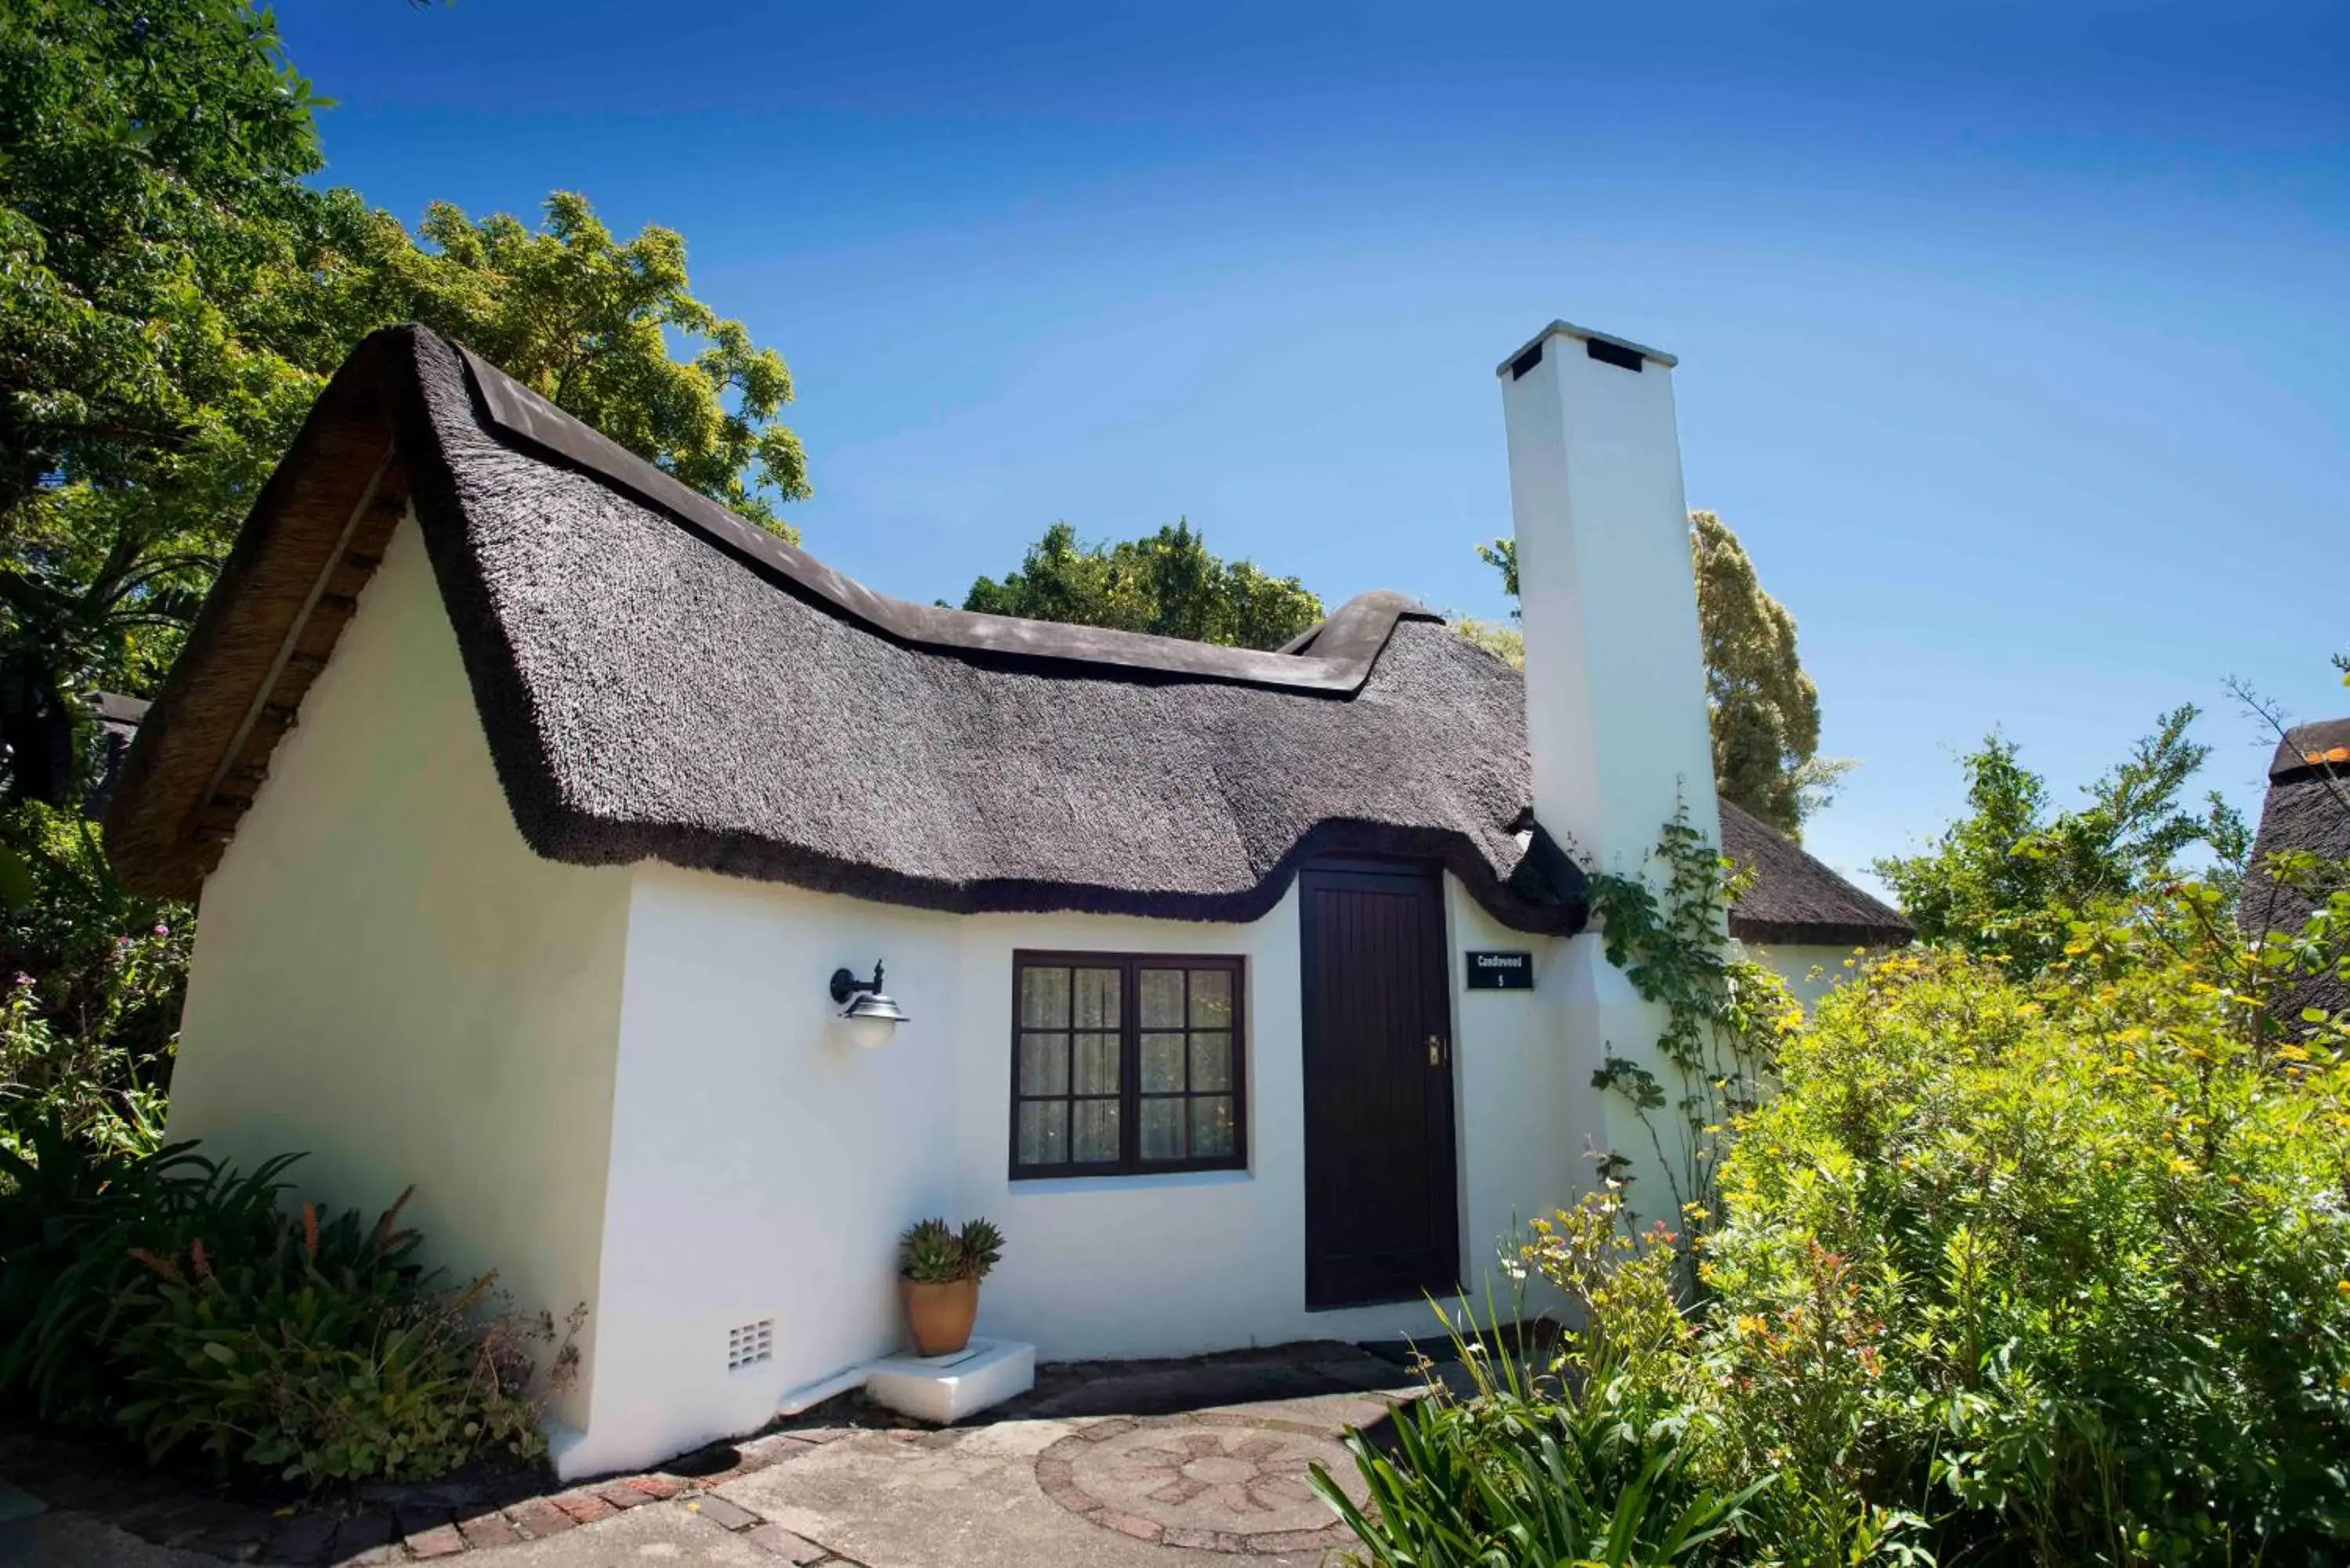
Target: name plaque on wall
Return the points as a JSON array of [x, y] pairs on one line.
[[1500, 972]]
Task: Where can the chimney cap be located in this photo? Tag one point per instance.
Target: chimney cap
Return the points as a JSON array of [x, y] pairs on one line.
[[1568, 329]]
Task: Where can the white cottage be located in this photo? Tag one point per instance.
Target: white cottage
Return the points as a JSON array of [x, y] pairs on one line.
[[594, 788]]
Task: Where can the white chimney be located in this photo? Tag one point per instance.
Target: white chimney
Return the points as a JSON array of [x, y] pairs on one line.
[[1616, 714]]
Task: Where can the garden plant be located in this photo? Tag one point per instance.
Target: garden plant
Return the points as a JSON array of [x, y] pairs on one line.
[[1987, 1262]]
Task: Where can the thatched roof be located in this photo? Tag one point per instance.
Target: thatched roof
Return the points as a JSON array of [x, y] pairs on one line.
[[659, 680], [2307, 809], [1795, 898]]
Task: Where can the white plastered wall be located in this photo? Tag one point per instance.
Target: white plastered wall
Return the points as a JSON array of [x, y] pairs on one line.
[[763, 1165], [386, 977], [1810, 971]]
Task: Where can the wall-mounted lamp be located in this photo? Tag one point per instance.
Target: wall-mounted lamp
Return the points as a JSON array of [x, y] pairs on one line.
[[872, 1017]]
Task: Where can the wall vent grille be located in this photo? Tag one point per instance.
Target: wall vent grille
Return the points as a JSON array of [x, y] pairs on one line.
[[751, 1343]]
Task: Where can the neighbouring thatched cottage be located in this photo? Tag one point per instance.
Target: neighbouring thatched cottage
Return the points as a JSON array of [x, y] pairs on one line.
[[2307, 811], [535, 800]]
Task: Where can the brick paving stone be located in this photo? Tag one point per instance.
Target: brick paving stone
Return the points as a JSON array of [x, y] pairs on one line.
[[153, 1518], [416, 1518], [539, 1516], [486, 1530], [200, 1520], [583, 1506], [717, 1510], [363, 1540], [302, 1538], [239, 1540], [783, 1544], [621, 1495], [1129, 1524], [659, 1488], [1197, 1540], [441, 1540], [1295, 1541]]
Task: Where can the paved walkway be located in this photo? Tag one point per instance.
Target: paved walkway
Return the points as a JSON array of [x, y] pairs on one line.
[[1197, 1464]]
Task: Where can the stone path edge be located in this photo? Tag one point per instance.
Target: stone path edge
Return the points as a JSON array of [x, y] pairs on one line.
[[420, 1523], [378, 1525]]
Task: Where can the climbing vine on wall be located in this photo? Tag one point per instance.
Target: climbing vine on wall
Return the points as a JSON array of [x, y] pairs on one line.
[[1723, 1014]]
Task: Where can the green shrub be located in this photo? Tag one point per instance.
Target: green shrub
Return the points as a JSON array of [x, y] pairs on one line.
[[168, 1295], [71, 1214], [2042, 1270], [2069, 1259], [1592, 1461], [93, 978], [328, 1358]]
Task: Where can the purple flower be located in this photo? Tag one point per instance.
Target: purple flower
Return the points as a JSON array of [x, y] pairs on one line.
[[24, 978], [162, 930]]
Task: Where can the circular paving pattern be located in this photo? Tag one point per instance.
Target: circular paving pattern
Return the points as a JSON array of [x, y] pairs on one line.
[[1211, 1482]]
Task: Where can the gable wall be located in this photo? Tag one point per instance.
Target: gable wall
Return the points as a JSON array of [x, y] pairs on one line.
[[386, 977]]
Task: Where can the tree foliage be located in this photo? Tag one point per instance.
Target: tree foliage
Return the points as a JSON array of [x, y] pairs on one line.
[[1167, 584], [2009, 878], [174, 293], [584, 319], [1762, 709]]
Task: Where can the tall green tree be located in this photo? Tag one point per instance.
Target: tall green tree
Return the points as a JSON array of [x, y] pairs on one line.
[[2011, 878], [1167, 583], [151, 211], [174, 293], [1762, 709]]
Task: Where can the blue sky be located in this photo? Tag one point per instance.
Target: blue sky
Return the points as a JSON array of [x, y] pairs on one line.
[[2013, 336]]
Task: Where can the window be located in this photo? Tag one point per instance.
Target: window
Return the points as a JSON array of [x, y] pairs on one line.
[[1125, 1064]]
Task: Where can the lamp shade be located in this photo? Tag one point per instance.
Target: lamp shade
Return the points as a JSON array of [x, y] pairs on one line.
[[873, 1018]]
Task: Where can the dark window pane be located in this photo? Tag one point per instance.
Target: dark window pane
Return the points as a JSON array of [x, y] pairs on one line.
[[1096, 998], [1044, 1064], [1044, 998], [1211, 1062], [1095, 1139], [1211, 1127], [1044, 1132], [1162, 998], [1096, 1067], [1211, 999], [1162, 1064], [1162, 1129]]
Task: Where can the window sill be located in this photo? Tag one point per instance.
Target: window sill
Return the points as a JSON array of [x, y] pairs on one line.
[[1149, 1181]]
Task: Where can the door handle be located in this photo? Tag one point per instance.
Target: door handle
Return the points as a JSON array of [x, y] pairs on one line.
[[1436, 1050]]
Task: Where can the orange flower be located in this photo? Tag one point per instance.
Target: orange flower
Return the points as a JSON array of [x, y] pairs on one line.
[[156, 1265]]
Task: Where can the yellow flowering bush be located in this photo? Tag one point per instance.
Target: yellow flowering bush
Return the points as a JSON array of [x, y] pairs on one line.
[[2059, 1265]]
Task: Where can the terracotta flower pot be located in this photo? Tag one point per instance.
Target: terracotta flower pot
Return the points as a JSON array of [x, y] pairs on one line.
[[939, 1316]]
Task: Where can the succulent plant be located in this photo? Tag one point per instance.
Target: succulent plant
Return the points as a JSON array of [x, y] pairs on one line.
[[982, 1244], [929, 1253]]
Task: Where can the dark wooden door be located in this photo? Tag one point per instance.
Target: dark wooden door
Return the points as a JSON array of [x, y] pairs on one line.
[[1382, 1222]]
